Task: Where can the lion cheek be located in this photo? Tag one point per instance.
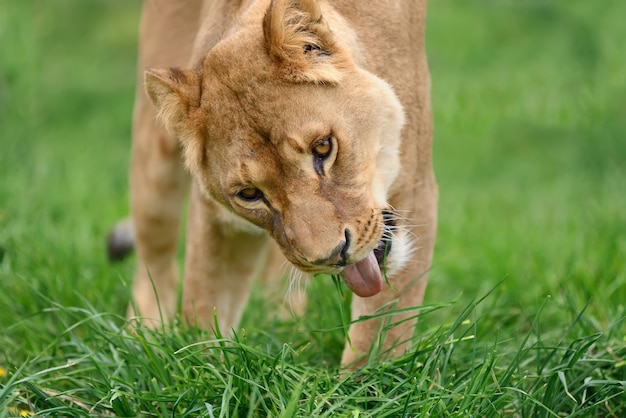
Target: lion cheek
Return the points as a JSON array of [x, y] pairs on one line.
[[379, 192], [384, 176]]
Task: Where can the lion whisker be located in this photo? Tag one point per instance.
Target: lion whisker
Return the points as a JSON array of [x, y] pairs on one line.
[[391, 231], [297, 286]]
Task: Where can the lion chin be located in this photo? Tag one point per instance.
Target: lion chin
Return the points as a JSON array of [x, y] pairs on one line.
[[284, 116]]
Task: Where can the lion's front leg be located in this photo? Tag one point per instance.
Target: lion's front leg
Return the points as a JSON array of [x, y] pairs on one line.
[[158, 181], [159, 185], [366, 336], [223, 257], [406, 290]]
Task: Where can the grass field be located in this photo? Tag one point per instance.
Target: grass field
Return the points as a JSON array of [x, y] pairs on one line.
[[525, 311]]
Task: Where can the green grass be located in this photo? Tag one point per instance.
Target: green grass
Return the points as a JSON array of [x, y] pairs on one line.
[[525, 308]]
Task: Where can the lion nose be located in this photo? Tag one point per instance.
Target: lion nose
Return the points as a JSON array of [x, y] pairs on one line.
[[338, 255]]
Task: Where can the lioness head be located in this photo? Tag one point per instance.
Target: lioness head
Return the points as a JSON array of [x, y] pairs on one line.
[[283, 128]]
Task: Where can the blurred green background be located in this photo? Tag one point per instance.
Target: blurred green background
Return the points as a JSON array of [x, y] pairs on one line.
[[531, 149], [530, 153]]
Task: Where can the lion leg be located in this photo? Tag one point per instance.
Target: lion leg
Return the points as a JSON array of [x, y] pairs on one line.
[[158, 188], [158, 182], [391, 336], [222, 259]]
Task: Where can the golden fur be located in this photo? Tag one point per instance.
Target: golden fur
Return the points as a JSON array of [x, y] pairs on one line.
[[307, 121]]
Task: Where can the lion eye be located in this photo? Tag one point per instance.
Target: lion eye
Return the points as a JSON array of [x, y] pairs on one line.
[[250, 194], [323, 148], [321, 151]]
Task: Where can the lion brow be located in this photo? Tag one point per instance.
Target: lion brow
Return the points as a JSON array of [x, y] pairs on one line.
[[295, 145]]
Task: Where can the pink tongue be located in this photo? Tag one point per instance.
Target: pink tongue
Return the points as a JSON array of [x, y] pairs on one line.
[[364, 278]]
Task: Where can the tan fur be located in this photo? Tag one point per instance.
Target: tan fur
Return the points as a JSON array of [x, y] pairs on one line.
[[264, 82]]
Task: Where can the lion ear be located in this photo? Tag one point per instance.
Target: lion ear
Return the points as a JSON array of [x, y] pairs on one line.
[[300, 43], [174, 92]]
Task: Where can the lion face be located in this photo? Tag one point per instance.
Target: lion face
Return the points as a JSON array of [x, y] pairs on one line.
[[295, 139]]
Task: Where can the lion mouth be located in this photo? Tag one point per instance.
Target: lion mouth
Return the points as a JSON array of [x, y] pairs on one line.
[[384, 245], [365, 278]]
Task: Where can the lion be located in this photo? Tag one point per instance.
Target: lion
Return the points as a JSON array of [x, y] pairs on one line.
[[299, 127]]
